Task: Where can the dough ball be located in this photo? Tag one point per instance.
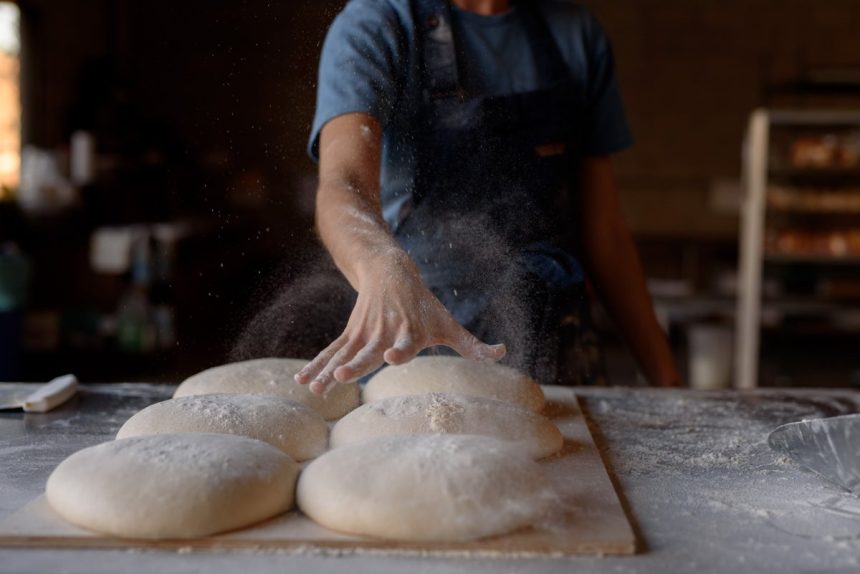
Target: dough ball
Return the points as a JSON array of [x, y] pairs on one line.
[[458, 376], [440, 488], [173, 485], [451, 414], [296, 429], [270, 377]]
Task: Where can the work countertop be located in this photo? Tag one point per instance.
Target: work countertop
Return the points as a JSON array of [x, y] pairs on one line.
[[703, 490]]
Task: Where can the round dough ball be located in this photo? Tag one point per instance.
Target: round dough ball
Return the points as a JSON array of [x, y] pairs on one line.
[[296, 429], [272, 377], [440, 488], [173, 485], [450, 414], [443, 374]]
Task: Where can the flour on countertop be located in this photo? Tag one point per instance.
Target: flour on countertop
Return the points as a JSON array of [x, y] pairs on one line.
[[707, 453]]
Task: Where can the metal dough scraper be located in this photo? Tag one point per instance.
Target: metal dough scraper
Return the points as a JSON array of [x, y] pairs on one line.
[[43, 398], [829, 447]]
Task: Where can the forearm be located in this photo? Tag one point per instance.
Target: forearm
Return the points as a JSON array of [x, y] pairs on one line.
[[613, 264], [615, 269], [349, 222], [348, 212]]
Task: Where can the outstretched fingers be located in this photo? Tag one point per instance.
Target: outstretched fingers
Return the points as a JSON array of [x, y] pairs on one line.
[[326, 378], [364, 362], [310, 371], [403, 350]]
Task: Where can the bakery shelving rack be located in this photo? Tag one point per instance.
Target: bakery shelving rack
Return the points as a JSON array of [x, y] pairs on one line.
[[801, 206]]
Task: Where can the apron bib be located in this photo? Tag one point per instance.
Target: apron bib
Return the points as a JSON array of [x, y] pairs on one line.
[[491, 223]]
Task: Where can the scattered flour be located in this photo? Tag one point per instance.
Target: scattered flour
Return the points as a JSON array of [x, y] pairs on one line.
[[713, 483]]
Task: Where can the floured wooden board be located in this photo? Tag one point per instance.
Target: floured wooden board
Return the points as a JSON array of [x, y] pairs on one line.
[[589, 519]]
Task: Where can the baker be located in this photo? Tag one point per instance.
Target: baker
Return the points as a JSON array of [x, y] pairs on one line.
[[466, 190]]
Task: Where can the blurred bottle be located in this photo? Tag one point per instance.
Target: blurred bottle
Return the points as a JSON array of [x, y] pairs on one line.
[[82, 156], [135, 328]]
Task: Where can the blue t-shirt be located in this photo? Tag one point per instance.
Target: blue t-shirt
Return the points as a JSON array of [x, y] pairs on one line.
[[369, 64]]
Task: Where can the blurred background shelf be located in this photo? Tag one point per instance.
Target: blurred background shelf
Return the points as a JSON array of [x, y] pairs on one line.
[[800, 236], [811, 259], [815, 173]]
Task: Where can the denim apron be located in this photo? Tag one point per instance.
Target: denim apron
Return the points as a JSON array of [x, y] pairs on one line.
[[491, 220]]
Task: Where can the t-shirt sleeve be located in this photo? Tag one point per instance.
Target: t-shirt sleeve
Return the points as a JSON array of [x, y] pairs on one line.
[[359, 65], [606, 124]]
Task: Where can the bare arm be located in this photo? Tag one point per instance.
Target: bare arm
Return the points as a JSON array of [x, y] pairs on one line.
[[395, 315], [613, 264]]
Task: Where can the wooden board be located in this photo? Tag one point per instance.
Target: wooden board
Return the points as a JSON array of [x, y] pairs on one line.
[[589, 520]]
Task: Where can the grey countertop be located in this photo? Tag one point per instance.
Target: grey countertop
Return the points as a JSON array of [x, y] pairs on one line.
[[704, 491]]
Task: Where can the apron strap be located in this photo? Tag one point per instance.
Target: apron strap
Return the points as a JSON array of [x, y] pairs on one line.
[[436, 46]]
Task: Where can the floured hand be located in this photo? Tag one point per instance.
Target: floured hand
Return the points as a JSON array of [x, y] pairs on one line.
[[394, 318]]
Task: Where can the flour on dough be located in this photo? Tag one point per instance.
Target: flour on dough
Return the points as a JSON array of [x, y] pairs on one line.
[[443, 374], [296, 429], [173, 485], [270, 377], [451, 414], [441, 488]]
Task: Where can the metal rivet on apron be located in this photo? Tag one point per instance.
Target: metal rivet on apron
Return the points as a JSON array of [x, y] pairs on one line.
[[433, 21]]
